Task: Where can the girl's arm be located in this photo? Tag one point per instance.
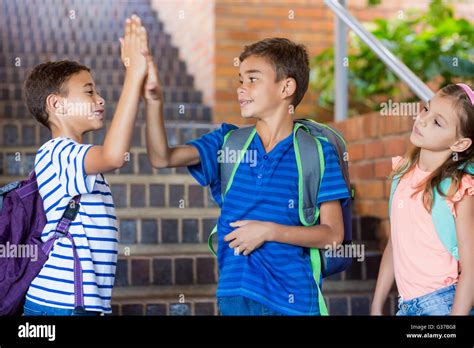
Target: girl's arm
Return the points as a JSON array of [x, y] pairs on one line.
[[463, 300], [384, 280]]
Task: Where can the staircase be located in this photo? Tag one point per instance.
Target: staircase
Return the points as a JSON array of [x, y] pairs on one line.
[[164, 266]]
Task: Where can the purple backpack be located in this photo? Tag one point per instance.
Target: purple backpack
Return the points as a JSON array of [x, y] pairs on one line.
[[22, 220]]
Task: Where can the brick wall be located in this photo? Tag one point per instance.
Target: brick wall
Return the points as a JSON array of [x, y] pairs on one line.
[[241, 23], [372, 141], [305, 21], [191, 25]]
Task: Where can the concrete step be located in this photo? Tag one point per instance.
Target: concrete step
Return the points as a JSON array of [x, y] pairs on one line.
[[193, 264], [16, 109], [28, 135], [109, 85], [102, 78], [350, 299]]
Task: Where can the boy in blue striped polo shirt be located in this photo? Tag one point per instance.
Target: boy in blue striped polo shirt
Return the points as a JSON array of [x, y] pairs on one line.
[[263, 249], [63, 97]]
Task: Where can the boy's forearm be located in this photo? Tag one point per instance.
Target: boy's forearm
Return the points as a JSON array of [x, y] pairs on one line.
[[319, 236], [118, 139], [156, 139]]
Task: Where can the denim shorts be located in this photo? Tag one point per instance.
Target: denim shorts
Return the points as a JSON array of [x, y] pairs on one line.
[[438, 302], [239, 305], [34, 309]]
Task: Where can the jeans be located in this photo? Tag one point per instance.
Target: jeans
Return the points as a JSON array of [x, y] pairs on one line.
[[438, 302], [33, 309], [239, 305]]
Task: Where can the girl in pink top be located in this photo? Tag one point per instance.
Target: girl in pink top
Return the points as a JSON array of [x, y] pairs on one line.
[[429, 279]]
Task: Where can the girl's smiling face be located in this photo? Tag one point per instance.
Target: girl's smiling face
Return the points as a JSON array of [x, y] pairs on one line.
[[436, 128]]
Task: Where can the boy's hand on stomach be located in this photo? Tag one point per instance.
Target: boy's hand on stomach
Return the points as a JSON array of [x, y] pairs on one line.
[[249, 235]]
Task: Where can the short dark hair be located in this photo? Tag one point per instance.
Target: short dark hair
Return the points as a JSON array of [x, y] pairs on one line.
[[45, 79], [288, 58]]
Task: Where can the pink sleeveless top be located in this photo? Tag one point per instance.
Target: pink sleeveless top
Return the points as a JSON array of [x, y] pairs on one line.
[[421, 262]]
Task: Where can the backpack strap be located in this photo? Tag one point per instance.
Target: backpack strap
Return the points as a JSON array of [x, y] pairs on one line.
[[393, 187], [310, 173], [235, 140], [443, 219], [62, 230]]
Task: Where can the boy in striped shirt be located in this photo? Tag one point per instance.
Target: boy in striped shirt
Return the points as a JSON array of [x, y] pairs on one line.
[[63, 97], [263, 250]]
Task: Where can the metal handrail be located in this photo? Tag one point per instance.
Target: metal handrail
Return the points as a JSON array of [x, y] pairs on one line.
[[391, 61]]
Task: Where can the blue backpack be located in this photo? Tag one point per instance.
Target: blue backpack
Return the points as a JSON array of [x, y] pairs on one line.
[[307, 137], [22, 220], [443, 219]]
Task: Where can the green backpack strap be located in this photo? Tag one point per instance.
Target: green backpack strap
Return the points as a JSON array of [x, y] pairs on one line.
[[310, 173], [443, 219], [235, 140], [209, 240], [393, 187]]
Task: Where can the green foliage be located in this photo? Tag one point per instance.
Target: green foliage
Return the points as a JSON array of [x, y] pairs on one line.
[[435, 45]]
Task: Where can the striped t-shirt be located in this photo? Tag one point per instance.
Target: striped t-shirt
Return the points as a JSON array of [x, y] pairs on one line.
[[59, 167], [277, 275]]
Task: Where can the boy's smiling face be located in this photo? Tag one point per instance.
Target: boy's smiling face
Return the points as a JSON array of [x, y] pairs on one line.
[[259, 94], [80, 108]]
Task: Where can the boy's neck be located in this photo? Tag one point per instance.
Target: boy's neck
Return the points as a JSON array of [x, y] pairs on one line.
[[274, 129], [429, 161], [66, 133]]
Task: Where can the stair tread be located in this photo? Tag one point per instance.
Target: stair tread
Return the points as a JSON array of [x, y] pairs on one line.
[[330, 287]]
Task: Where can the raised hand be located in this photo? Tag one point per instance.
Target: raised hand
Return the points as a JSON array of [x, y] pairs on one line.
[[133, 51], [152, 87]]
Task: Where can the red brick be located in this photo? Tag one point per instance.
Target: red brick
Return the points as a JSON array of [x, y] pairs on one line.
[[370, 124], [370, 189], [361, 170], [395, 146], [355, 129], [356, 152], [371, 207], [383, 168], [374, 149]]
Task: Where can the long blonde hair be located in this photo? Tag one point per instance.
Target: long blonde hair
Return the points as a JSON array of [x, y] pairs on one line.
[[450, 168]]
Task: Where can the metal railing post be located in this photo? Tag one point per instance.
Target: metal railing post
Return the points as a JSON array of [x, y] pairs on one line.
[[390, 60], [340, 68]]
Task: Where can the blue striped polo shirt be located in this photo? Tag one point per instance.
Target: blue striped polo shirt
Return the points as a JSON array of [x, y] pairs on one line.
[[277, 275], [59, 168]]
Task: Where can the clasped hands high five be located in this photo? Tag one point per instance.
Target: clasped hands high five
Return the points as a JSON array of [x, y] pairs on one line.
[[138, 60]]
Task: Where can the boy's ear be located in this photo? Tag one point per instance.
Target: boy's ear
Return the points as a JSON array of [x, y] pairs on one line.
[[461, 145], [289, 87], [53, 105]]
